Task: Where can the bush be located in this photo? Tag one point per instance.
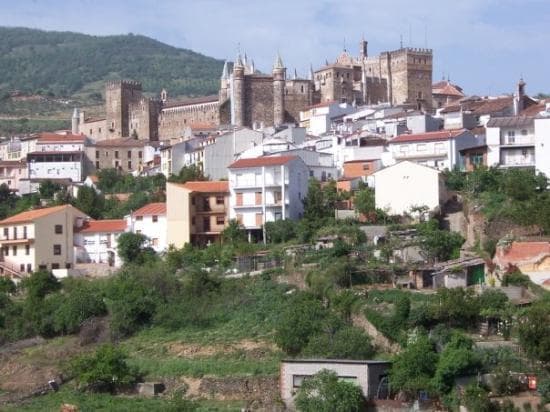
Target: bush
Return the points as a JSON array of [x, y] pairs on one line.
[[105, 370], [516, 278], [325, 393], [40, 283], [347, 342]]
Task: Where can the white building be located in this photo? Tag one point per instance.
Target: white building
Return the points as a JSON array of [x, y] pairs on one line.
[[150, 220], [440, 149], [542, 141], [317, 119], [406, 185], [511, 142], [267, 189], [96, 241], [17, 148]]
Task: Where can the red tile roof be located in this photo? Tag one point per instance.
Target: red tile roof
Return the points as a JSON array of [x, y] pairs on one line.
[[447, 88], [32, 215], [261, 161], [535, 109], [158, 208], [219, 186], [103, 226], [322, 104], [430, 136], [521, 252], [60, 138]]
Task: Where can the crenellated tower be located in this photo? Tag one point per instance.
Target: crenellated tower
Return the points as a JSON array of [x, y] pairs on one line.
[[119, 96]]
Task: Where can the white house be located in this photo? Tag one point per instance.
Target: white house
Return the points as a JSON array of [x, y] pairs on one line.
[[405, 185], [267, 189], [96, 241], [511, 141], [150, 220], [439, 149], [542, 141], [317, 119]]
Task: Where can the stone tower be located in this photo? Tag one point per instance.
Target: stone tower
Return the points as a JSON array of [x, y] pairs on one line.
[[75, 121], [224, 83], [279, 77], [411, 77], [237, 91], [119, 96]]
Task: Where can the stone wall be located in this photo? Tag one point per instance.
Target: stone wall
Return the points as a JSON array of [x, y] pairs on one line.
[[298, 96], [173, 121], [258, 100]]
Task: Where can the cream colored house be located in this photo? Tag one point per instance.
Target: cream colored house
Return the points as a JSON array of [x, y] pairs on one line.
[[407, 185], [196, 212], [40, 239]]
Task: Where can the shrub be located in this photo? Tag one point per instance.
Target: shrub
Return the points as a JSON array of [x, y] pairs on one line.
[[325, 393], [105, 370], [516, 278], [347, 342]]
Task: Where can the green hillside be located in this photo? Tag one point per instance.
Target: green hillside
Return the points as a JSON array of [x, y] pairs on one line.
[[65, 64]]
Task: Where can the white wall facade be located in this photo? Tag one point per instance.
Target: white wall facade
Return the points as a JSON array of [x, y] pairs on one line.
[[542, 145], [511, 146], [406, 184], [156, 231], [98, 248]]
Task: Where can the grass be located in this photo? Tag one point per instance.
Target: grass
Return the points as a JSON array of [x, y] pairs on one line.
[[88, 402]]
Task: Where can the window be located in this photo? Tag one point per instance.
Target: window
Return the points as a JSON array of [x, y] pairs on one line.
[[24, 232], [420, 95], [58, 229], [129, 154], [220, 200], [106, 153], [22, 267], [67, 265], [27, 250], [524, 132], [155, 218], [29, 267], [97, 165], [56, 249], [129, 164], [155, 241], [6, 250], [15, 232], [206, 224], [6, 233], [91, 132], [116, 164], [220, 220], [139, 218], [277, 197], [404, 148], [140, 154], [14, 250], [42, 267], [55, 266], [97, 154], [511, 136], [421, 147], [206, 204], [116, 154]]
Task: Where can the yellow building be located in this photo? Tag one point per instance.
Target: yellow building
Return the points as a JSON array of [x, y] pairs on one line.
[[196, 212], [40, 239]]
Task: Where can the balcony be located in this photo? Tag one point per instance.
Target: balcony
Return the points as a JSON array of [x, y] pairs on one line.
[[7, 240], [420, 155], [517, 141]]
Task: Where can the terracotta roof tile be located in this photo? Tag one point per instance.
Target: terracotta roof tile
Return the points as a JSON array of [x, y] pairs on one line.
[[430, 136], [261, 161], [61, 138], [522, 252], [218, 186], [107, 225], [446, 88], [158, 208], [32, 215]]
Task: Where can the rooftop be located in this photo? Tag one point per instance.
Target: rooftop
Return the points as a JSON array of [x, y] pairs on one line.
[[125, 142], [47, 137], [511, 121], [158, 208], [430, 136], [262, 161], [32, 215], [107, 225], [188, 102], [206, 186], [348, 361]]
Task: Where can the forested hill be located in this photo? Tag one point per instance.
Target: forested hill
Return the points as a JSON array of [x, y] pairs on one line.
[[66, 63]]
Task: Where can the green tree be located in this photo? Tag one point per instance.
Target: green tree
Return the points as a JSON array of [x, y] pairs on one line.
[[280, 231], [457, 359], [234, 232], [324, 392], [48, 189], [301, 319], [414, 367], [106, 370], [39, 284], [131, 247], [90, 202], [7, 285], [477, 399], [188, 174], [437, 244], [457, 306], [364, 201], [346, 342], [534, 331]]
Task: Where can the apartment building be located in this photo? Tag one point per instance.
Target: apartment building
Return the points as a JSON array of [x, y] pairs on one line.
[[267, 189], [150, 220], [511, 141], [12, 172], [96, 241], [40, 239], [196, 212], [440, 149]]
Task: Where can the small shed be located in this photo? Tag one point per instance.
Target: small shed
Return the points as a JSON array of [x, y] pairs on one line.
[[462, 272]]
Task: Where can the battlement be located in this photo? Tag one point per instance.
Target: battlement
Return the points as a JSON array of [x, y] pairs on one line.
[[127, 84], [413, 50]]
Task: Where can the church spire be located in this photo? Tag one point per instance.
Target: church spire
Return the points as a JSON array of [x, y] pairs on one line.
[[278, 62], [225, 71]]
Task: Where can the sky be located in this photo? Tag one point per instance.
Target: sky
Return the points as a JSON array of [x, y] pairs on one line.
[[484, 46]]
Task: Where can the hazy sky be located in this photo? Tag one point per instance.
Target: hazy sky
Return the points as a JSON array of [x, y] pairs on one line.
[[484, 45]]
